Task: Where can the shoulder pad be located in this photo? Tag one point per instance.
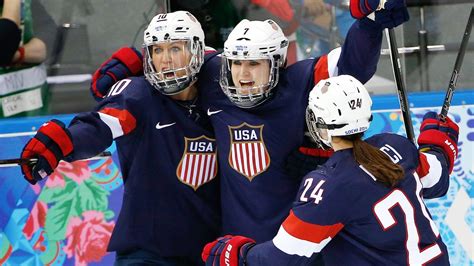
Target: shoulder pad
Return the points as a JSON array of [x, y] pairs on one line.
[[209, 55], [399, 148]]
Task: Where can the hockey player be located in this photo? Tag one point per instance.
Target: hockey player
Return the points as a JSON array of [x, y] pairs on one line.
[[258, 111], [166, 148], [364, 206], [259, 119]]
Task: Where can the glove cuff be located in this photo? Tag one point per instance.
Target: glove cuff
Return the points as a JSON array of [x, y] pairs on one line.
[[433, 137], [361, 8], [131, 58], [57, 131], [233, 253]]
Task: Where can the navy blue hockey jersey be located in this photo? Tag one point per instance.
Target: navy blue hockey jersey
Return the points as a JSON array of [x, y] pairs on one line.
[[168, 161], [254, 143], [342, 212]]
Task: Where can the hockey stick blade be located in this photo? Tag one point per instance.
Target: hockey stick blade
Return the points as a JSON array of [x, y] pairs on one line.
[[457, 68], [18, 161]]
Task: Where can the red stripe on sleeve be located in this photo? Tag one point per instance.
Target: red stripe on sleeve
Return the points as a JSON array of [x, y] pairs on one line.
[[321, 69], [126, 119], [308, 231], [423, 167]]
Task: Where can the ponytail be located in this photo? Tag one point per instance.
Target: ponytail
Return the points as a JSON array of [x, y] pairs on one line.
[[375, 161]]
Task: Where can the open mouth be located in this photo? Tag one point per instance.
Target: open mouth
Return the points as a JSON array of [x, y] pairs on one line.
[[246, 83], [168, 74]]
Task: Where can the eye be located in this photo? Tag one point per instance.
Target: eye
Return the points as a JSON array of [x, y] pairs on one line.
[[236, 62], [157, 50], [175, 49], [254, 63]]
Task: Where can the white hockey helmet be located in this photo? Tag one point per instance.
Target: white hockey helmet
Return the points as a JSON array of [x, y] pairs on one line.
[[338, 106], [253, 40], [172, 27]]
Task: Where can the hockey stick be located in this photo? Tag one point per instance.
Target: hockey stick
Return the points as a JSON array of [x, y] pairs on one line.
[[401, 90], [457, 68], [16, 162]]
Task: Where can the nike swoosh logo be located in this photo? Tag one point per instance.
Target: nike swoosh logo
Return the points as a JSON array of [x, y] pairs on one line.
[[158, 126], [209, 112]]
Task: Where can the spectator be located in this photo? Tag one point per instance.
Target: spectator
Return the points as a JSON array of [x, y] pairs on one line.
[[24, 91]]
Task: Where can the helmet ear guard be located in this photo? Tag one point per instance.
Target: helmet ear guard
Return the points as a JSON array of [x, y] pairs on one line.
[[338, 106]]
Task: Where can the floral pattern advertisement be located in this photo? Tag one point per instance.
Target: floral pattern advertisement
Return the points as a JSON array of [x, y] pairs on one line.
[[65, 220]]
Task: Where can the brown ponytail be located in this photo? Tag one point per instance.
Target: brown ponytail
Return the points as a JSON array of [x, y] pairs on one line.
[[375, 161]]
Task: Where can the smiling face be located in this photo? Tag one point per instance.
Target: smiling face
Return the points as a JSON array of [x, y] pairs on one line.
[[171, 58], [250, 75]]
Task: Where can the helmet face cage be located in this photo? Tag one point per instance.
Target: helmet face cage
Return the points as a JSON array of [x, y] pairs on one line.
[[253, 40], [165, 29], [318, 130], [254, 95], [176, 78]]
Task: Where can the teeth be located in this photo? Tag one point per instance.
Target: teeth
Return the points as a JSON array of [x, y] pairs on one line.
[[246, 82], [168, 75]]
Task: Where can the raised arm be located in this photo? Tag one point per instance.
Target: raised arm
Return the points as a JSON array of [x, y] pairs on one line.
[[360, 53], [438, 145]]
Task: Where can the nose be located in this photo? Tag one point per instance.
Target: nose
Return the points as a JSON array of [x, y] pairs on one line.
[[244, 70], [166, 58]]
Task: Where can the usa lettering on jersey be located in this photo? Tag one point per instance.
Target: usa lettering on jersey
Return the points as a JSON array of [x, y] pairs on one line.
[[248, 154], [199, 162]]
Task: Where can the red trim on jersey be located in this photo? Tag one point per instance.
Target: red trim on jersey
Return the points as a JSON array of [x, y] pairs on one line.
[[208, 52], [308, 231], [423, 167], [316, 152], [321, 69], [126, 119]]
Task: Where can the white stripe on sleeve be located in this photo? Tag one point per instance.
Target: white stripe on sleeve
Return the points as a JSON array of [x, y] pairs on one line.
[[113, 123], [295, 246], [434, 173]]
